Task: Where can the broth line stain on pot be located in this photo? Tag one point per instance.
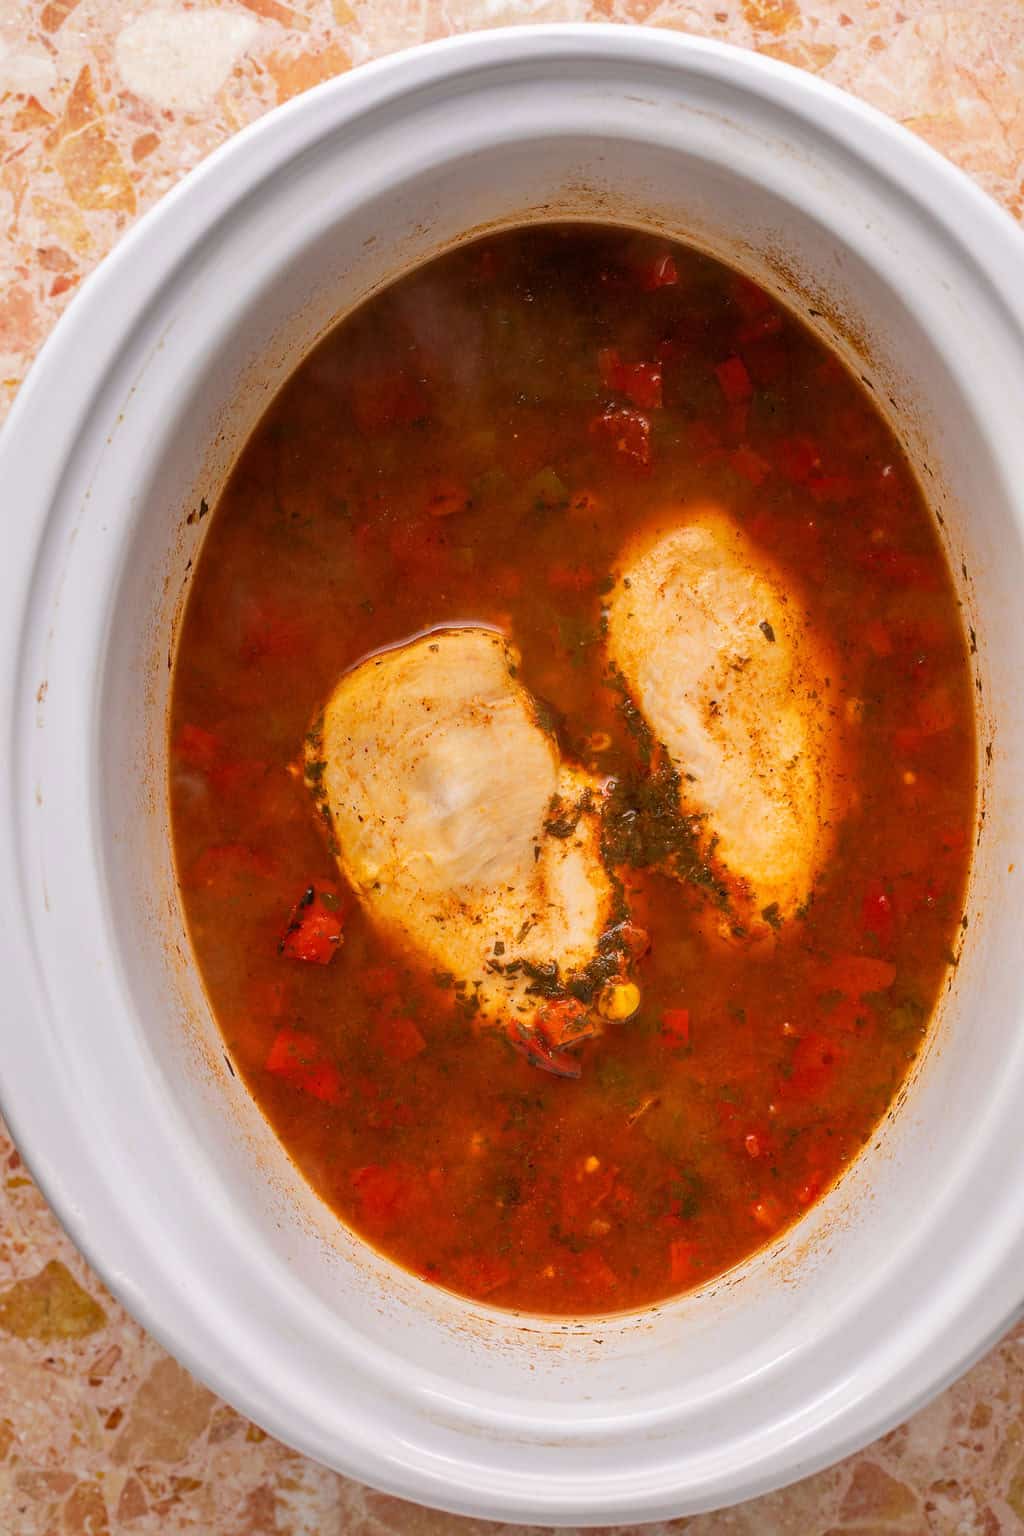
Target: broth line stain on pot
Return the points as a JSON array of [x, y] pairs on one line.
[[574, 945]]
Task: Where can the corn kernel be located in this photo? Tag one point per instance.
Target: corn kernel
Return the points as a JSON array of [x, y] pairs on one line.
[[619, 1000]]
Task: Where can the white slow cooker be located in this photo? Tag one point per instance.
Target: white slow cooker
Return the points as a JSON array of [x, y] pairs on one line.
[[113, 1075]]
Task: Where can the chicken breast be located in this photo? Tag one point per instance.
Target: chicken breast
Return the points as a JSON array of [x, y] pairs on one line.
[[456, 822], [737, 687]]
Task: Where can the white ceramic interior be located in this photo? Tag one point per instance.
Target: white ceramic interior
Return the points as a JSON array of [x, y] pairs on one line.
[[113, 1075]]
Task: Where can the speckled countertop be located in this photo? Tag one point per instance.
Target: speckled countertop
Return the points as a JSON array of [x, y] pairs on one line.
[[104, 104]]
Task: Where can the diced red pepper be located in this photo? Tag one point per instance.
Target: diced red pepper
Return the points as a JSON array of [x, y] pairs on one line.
[[675, 1025], [301, 1060], [734, 380], [399, 1039], [314, 928], [662, 272], [626, 431]]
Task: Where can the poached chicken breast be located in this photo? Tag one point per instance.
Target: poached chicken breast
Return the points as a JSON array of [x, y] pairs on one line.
[[736, 686], [441, 789]]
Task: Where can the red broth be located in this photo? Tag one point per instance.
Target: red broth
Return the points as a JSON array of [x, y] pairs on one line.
[[475, 443]]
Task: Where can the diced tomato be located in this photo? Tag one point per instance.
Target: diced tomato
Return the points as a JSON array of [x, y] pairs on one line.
[[935, 711], [268, 634], [815, 1059], [675, 1025], [810, 1189], [626, 431], [419, 545], [530, 1043], [265, 999], [752, 300], [661, 272], [387, 400], [831, 488], [705, 444], [680, 1260], [480, 1274], [446, 498], [585, 1190], [641, 382], [798, 457], [734, 380], [595, 1272], [634, 940], [900, 569], [767, 1212], [385, 1194], [737, 417], [767, 360], [198, 748], [563, 577], [223, 866], [380, 981], [584, 504], [857, 975], [877, 914], [760, 327], [300, 1059], [750, 465], [314, 928], [563, 1020], [399, 1039], [609, 365]]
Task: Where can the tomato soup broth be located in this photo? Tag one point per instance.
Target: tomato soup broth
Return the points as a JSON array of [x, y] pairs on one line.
[[477, 445]]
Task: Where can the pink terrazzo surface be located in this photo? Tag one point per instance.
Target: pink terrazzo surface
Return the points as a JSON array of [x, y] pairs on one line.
[[104, 104]]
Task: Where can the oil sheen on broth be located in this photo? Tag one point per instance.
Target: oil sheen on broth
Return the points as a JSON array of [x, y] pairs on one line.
[[572, 769]]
